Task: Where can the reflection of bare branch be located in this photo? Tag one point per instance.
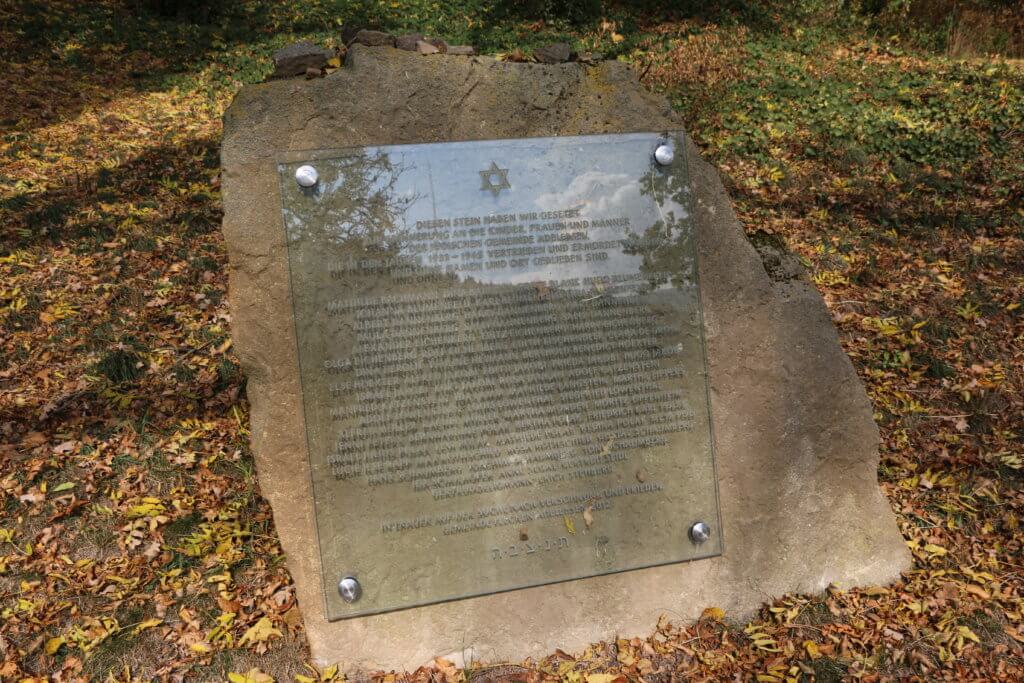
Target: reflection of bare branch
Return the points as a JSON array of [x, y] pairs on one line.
[[666, 244], [357, 199]]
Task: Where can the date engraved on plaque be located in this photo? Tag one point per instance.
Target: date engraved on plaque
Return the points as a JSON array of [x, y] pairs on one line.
[[503, 370]]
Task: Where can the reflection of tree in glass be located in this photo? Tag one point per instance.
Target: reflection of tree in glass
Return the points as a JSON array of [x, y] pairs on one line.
[[666, 245], [355, 199]]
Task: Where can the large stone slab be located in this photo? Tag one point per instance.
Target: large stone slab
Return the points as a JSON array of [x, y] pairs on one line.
[[796, 444]]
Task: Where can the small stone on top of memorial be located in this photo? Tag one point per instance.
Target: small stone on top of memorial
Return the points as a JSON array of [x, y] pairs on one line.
[[374, 38], [425, 48], [408, 41], [556, 53], [441, 45], [297, 57], [462, 50]]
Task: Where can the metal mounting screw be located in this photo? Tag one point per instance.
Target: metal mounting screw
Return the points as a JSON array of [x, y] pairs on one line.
[[664, 154], [306, 176], [350, 589], [700, 532]]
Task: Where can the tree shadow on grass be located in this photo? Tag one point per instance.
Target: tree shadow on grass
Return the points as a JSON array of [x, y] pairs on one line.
[[171, 181], [753, 13], [63, 56], [152, 219]]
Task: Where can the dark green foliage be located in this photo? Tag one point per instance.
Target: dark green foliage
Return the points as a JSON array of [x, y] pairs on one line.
[[120, 366]]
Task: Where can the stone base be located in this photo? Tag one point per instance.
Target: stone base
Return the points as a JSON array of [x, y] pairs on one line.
[[796, 444]]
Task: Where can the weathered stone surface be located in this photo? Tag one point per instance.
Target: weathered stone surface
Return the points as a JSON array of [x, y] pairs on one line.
[[796, 444], [374, 39], [408, 41], [462, 50], [295, 59], [553, 54]]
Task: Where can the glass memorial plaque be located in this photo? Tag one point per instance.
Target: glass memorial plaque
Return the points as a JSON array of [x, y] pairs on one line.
[[502, 364]]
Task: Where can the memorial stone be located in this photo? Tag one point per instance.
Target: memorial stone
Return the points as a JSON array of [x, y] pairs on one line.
[[518, 380]]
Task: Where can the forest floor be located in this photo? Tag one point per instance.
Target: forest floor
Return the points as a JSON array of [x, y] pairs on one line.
[[134, 543]]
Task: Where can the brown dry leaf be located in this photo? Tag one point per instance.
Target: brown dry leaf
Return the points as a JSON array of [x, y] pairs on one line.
[[977, 591]]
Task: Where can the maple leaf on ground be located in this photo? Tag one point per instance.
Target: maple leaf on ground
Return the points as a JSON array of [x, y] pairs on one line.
[[259, 633], [251, 676]]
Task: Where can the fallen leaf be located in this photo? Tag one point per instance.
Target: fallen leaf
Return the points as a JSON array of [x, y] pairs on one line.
[[53, 644], [713, 613], [262, 631], [148, 623], [251, 676]]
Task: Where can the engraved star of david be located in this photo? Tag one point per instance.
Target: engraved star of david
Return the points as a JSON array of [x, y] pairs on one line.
[[487, 182]]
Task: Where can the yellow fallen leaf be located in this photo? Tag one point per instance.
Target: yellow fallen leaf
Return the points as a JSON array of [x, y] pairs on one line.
[[600, 678], [259, 632], [969, 634], [713, 613], [142, 626], [569, 525], [334, 62], [250, 676], [329, 673], [933, 549], [149, 507], [812, 649], [617, 37], [53, 644], [200, 647]]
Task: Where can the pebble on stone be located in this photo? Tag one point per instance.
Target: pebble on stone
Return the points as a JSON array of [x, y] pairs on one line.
[[374, 38], [297, 57], [425, 48], [441, 45], [408, 41], [556, 53]]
